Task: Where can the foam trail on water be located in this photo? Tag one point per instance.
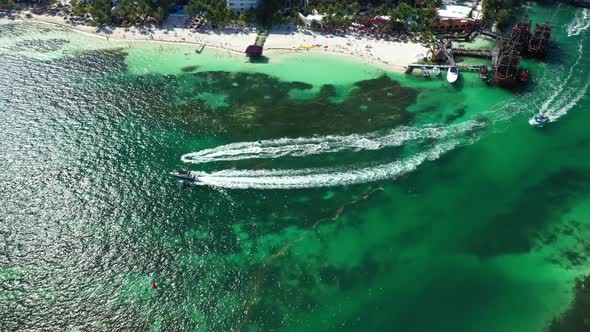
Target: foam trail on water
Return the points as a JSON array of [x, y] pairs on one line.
[[569, 92], [305, 146], [561, 111], [321, 177], [580, 23], [559, 90]]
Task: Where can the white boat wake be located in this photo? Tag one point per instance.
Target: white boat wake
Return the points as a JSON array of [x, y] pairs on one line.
[[580, 23], [306, 146], [574, 96], [559, 90], [570, 91], [321, 177], [438, 141]]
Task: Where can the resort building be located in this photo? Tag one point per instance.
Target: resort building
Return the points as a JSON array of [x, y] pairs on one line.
[[242, 5], [457, 19]]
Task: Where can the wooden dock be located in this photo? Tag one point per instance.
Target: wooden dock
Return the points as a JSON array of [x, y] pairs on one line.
[[489, 34], [200, 48], [498, 45], [449, 56], [479, 53], [461, 68]]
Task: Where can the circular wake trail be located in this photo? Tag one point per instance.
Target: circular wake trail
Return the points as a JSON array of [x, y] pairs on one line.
[[306, 146], [324, 177]]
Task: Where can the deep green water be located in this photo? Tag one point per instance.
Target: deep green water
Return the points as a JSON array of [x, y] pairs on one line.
[[341, 197]]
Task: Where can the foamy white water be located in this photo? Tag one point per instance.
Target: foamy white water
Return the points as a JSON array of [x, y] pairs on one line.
[[580, 23], [549, 104], [325, 177], [576, 95], [306, 146]]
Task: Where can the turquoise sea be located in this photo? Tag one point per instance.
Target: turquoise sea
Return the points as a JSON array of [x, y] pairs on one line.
[[338, 196]]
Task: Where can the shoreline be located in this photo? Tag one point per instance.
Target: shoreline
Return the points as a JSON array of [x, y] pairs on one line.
[[392, 56]]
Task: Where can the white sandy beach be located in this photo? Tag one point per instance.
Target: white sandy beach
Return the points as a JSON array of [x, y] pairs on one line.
[[390, 55]]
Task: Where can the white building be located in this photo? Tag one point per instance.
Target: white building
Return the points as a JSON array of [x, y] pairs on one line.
[[450, 12], [242, 5]]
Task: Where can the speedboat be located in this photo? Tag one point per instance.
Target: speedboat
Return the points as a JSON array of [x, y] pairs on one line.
[[452, 74], [436, 71], [184, 175], [539, 120]]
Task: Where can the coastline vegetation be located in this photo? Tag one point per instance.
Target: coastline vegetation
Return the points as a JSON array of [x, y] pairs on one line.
[[383, 17], [413, 16], [124, 12], [498, 10]]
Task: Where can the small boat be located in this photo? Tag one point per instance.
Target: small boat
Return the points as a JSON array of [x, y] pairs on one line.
[[184, 175], [436, 71], [483, 73], [539, 120], [452, 74], [425, 72]]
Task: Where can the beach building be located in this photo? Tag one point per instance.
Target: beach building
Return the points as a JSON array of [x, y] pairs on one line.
[[311, 18], [457, 19], [242, 5]]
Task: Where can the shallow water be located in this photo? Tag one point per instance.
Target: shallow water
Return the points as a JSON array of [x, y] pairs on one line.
[[342, 197]]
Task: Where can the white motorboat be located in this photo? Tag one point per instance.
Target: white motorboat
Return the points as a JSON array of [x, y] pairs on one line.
[[452, 74]]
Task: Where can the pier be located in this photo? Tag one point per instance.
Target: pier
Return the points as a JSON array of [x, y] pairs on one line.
[[446, 45], [478, 53], [461, 68], [489, 33], [505, 55], [200, 48]]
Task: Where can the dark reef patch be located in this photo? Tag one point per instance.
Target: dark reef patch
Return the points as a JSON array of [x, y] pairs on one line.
[[189, 69], [577, 317], [259, 106], [457, 114], [506, 232], [40, 45]]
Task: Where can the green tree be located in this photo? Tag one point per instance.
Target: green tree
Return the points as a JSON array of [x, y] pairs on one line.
[[216, 12], [101, 12]]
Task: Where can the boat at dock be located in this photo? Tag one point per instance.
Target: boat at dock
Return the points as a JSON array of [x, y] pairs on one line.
[[521, 35], [452, 74], [187, 176], [539, 43], [539, 120], [484, 73], [507, 68]]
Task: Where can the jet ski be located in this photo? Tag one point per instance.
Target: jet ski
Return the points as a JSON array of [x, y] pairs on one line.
[[539, 120], [184, 175]]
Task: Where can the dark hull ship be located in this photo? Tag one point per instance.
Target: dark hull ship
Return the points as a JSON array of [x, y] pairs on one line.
[[521, 35], [539, 43], [507, 70]]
